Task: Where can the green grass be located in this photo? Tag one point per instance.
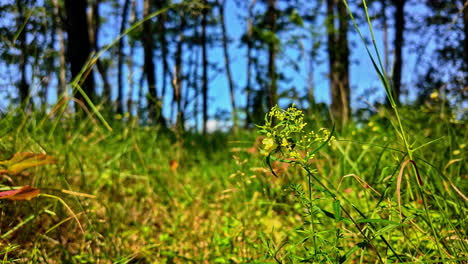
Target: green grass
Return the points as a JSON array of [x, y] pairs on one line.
[[222, 205]]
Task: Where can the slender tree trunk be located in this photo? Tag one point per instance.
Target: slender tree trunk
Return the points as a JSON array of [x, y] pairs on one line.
[[177, 82], [154, 103], [195, 81], [310, 77], [465, 42], [272, 49], [23, 87], [205, 68], [227, 64], [385, 35], [162, 18], [331, 48], [62, 74], [343, 62], [79, 47], [398, 45], [248, 88], [130, 63], [338, 54], [120, 59], [94, 25]]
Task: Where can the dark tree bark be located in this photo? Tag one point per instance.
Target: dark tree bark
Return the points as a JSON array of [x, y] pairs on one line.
[[62, 74], [310, 77], [398, 44], [154, 103], [465, 42], [205, 67], [227, 64], [79, 45], [162, 18], [23, 86], [343, 62], [130, 63], [271, 17], [248, 87], [94, 26], [177, 83], [338, 52], [385, 35], [120, 59]]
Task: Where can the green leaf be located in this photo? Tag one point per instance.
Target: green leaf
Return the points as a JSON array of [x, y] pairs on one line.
[[337, 209]]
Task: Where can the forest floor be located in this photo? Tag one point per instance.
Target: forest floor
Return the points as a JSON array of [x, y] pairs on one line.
[[137, 194]]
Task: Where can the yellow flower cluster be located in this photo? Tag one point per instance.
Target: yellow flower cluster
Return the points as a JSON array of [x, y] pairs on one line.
[[286, 135]]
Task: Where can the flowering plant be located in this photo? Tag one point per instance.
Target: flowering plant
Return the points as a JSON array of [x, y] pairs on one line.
[[287, 140]]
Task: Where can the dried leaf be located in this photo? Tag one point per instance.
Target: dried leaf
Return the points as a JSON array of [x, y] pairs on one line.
[[25, 160], [24, 193]]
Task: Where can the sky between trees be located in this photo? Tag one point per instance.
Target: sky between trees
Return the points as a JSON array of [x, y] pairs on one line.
[[198, 60]]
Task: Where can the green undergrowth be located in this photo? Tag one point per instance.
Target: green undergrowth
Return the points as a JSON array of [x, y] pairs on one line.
[[145, 195]]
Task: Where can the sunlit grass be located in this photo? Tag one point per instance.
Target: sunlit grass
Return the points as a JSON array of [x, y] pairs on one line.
[[222, 205]]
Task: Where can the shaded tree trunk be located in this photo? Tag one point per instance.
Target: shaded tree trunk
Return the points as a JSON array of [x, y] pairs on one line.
[[205, 67], [248, 88], [94, 25], [398, 46], [177, 82], [154, 103], [310, 77], [23, 85], [227, 64], [120, 59], [465, 42], [162, 18], [130, 63], [271, 17], [79, 45], [385, 35], [338, 53], [62, 74]]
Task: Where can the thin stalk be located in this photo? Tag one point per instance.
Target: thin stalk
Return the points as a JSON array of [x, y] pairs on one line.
[[312, 228], [383, 77], [333, 196]]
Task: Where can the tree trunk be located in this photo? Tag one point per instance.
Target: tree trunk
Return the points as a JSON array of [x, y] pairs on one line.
[[338, 54], [120, 59], [94, 24], [162, 18], [205, 67], [310, 77], [23, 86], [343, 62], [62, 74], [79, 47], [154, 104], [385, 35], [398, 45], [465, 42], [248, 87], [130, 63], [271, 17], [177, 83], [227, 63]]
